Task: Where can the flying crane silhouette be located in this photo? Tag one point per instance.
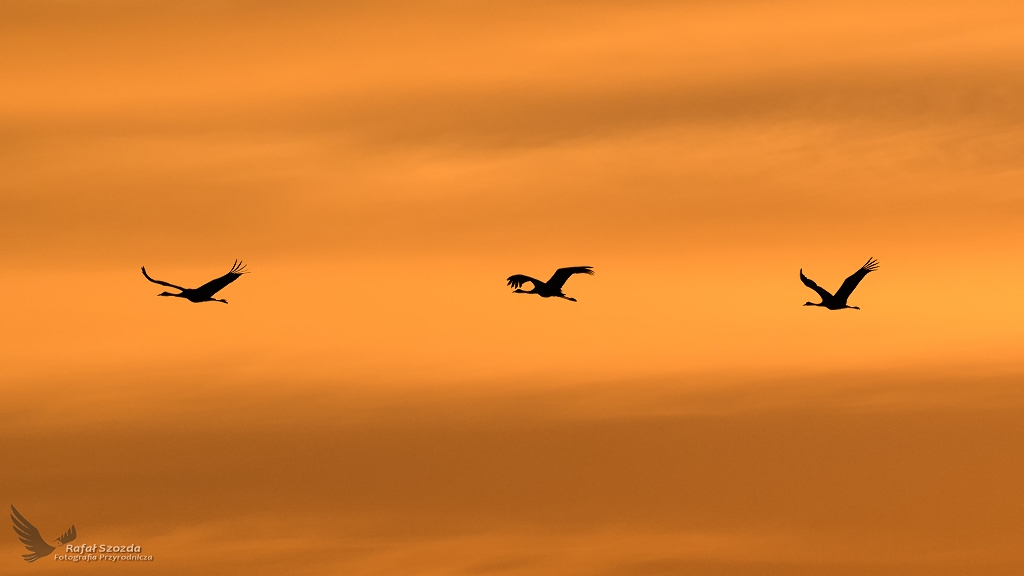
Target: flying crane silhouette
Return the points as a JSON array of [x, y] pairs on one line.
[[553, 287], [838, 301], [205, 292], [34, 543]]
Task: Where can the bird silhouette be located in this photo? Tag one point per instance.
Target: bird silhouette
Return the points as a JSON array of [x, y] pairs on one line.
[[553, 287], [34, 543], [838, 301], [205, 292]]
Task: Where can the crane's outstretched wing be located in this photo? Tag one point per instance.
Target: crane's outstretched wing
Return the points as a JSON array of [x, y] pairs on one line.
[[68, 536], [159, 281], [810, 284], [516, 281], [562, 274], [214, 286], [850, 283], [29, 536]]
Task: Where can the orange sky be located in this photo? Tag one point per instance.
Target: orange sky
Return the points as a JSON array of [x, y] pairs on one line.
[[374, 401]]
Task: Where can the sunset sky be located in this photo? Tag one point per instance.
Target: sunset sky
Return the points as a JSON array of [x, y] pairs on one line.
[[375, 401]]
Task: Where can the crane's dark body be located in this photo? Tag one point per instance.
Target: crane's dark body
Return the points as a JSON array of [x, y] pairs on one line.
[[205, 292], [838, 300], [33, 541], [553, 287]]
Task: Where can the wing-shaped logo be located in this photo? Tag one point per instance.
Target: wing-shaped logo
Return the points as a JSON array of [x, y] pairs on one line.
[[34, 543]]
